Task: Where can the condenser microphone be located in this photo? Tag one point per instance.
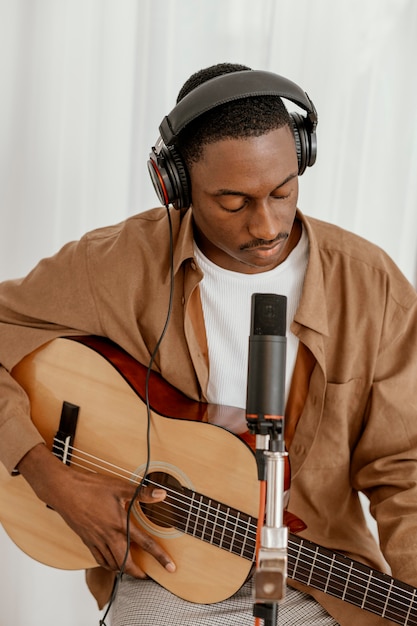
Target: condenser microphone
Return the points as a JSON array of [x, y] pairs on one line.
[[265, 401]]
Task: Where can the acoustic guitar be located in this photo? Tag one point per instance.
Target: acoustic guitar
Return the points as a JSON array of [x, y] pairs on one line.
[[89, 403]]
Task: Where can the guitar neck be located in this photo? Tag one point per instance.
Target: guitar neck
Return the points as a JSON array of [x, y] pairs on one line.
[[351, 581], [308, 563]]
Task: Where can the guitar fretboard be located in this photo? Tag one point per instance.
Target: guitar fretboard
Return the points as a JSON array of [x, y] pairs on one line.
[[308, 563], [351, 581], [212, 522]]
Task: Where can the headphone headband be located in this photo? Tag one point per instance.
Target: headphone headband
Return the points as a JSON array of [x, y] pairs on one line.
[[166, 166], [229, 87]]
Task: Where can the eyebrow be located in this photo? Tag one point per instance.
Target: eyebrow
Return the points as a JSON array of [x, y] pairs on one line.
[[231, 192]]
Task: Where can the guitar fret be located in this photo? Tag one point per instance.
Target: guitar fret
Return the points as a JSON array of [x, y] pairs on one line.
[[294, 569], [347, 581], [233, 535], [245, 537], [407, 617], [312, 566], [329, 574], [190, 509], [366, 590], [197, 516], [203, 532], [202, 519], [387, 599], [228, 545], [222, 544], [215, 522], [303, 564]]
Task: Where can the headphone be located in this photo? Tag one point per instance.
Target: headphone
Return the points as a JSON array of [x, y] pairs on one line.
[[165, 165]]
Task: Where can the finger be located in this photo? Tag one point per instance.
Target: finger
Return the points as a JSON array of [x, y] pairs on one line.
[[105, 558], [133, 569], [151, 494], [148, 544]]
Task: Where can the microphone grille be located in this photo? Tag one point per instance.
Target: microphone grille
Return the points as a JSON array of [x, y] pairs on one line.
[[269, 314]]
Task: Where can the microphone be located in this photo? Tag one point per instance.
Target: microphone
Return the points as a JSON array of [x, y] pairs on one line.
[[265, 406], [265, 401]]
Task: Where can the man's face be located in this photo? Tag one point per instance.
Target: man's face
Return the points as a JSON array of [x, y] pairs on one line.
[[244, 198]]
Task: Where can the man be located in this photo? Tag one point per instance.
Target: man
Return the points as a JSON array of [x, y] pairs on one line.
[[352, 326]]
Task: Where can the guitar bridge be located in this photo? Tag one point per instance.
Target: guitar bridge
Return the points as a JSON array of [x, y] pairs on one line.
[[65, 434]]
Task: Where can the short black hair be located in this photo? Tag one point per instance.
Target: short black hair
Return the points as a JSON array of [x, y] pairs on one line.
[[246, 117]]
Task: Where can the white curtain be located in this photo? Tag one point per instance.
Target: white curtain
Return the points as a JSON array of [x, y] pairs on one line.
[[84, 85]]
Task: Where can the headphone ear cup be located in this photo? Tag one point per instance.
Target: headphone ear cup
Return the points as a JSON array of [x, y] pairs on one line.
[[159, 178], [169, 176], [305, 142], [180, 178]]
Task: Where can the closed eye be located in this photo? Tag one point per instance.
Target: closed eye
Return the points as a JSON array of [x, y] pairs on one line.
[[234, 201]]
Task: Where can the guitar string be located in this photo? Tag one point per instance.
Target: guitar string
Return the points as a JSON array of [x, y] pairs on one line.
[[128, 475], [371, 579], [324, 560], [376, 607], [322, 574]]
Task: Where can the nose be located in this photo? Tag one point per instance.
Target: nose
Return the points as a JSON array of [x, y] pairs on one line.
[[263, 223]]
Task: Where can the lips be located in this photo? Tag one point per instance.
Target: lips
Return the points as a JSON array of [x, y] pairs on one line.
[[269, 249], [275, 245], [265, 246]]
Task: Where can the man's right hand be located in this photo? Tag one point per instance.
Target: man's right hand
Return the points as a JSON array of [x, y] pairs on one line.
[[94, 506]]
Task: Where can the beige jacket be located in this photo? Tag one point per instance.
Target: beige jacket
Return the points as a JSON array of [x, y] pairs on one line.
[[357, 315]]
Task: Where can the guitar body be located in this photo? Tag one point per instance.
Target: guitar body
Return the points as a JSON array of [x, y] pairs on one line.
[[188, 449]]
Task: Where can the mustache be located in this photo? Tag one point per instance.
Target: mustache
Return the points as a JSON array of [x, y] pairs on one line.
[[258, 243]]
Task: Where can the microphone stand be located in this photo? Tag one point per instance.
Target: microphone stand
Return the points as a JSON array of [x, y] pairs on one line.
[[271, 571]]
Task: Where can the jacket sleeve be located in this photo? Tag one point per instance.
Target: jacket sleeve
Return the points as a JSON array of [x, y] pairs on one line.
[[384, 463], [33, 311]]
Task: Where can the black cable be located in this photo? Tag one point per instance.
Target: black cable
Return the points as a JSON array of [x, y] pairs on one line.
[[148, 428]]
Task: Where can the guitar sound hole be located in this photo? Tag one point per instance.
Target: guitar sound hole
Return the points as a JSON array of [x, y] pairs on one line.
[[166, 513]]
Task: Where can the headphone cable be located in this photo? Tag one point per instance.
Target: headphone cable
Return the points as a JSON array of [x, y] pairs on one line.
[[120, 573]]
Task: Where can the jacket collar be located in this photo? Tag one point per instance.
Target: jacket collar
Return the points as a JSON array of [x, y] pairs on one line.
[[311, 312]]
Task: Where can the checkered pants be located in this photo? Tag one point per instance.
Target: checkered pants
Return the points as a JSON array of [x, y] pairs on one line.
[[145, 603]]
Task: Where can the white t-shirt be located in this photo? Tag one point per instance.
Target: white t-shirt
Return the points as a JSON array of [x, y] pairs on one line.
[[226, 300]]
